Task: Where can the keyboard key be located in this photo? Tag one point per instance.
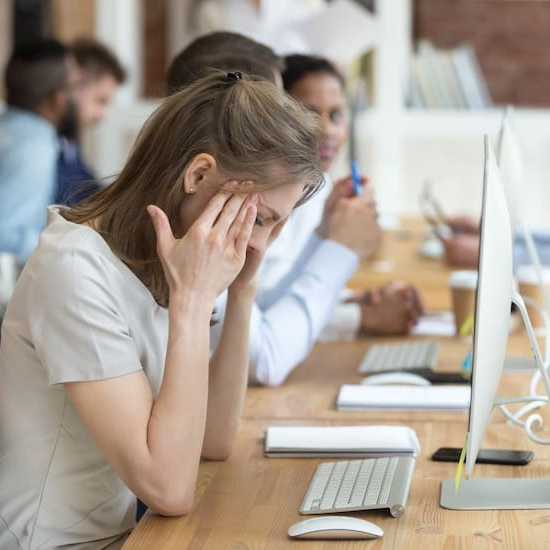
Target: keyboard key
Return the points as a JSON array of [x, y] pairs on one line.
[[388, 480], [361, 484], [333, 485], [376, 482], [348, 484]]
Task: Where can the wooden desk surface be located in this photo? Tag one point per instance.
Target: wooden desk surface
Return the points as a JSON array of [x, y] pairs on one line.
[[250, 501]]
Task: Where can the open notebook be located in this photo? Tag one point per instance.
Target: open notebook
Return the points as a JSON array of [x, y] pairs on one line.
[[340, 441], [365, 398]]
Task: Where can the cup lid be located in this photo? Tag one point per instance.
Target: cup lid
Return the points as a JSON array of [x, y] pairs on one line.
[[463, 279]]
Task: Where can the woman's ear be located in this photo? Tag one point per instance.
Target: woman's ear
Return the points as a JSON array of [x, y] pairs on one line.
[[201, 170]]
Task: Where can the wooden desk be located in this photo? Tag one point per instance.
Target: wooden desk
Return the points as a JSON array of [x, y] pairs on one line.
[[249, 501]]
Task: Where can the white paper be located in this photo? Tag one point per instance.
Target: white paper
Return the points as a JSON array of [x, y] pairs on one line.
[[440, 324]]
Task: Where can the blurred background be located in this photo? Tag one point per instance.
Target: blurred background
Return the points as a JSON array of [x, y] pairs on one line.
[[428, 77]]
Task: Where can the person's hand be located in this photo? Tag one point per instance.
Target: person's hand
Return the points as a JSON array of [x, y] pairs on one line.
[[211, 254], [342, 188], [391, 310], [462, 250], [351, 221], [463, 224]]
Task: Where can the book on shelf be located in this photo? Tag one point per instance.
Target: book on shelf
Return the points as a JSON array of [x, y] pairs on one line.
[[443, 79]]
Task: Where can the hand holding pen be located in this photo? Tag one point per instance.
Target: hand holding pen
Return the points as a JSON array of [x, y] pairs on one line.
[[350, 220], [356, 180]]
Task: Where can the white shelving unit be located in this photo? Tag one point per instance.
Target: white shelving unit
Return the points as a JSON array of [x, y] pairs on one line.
[[400, 148]]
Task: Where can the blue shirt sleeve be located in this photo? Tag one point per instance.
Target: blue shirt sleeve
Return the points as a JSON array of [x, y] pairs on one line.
[[27, 185]]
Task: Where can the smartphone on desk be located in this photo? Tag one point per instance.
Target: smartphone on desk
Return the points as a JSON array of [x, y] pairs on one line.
[[442, 377], [486, 456]]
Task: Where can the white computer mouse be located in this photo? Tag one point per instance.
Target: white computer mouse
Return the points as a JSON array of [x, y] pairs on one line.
[[395, 378], [335, 527]]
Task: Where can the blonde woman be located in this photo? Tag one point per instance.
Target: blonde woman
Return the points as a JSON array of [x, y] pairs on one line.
[[107, 390]]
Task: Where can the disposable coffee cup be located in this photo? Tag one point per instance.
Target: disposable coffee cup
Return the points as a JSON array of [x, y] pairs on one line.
[[463, 286], [530, 288]]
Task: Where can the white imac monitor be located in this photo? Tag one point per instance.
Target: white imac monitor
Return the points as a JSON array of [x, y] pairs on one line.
[[492, 309], [494, 295]]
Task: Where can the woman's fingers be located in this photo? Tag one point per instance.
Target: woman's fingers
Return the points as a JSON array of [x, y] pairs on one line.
[[213, 209], [243, 236], [229, 214], [163, 231], [235, 228]]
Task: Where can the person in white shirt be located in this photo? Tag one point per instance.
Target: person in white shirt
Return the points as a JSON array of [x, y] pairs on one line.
[[390, 310], [304, 271], [107, 387]]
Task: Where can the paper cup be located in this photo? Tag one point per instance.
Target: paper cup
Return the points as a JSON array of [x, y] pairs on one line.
[[529, 287], [463, 286]]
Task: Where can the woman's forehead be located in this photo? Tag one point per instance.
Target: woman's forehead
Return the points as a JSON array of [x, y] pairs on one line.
[[316, 88], [279, 201]]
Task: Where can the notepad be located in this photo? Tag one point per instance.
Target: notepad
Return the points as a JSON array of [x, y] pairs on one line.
[[340, 441], [366, 398]]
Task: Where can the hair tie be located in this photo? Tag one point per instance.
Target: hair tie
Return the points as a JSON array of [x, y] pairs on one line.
[[233, 77]]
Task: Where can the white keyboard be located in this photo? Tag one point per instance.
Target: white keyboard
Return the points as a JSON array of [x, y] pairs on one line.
[[368, 484], [415, 356]]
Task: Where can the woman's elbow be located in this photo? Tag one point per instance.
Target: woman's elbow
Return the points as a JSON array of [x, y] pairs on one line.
[[218, 453], [172, 505]]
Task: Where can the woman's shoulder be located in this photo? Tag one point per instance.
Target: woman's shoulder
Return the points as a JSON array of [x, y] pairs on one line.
[[70, 249]]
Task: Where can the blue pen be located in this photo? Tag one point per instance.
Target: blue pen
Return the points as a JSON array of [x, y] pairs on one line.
[[356, 179]]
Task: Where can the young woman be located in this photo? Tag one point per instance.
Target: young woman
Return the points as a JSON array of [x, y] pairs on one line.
[[107, 391]]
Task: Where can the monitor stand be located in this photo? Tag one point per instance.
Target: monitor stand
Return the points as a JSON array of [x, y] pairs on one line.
[[496, 494], [503, 494]]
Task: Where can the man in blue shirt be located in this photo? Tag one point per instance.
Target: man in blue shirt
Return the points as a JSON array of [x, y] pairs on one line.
[[41, 79], [101, 75]]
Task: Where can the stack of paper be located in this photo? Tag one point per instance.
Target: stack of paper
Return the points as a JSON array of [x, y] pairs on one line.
[[366, 398], [341, 441]]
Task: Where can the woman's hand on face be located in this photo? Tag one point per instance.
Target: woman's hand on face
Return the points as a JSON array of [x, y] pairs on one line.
[[211, 254], [247, 278]]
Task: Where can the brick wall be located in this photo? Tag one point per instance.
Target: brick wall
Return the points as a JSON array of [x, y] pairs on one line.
[[511, 39]]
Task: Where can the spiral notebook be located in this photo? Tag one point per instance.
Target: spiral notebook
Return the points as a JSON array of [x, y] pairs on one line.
[[340, 441]]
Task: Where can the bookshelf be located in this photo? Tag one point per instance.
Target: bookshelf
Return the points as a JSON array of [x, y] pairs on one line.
[[401, 147]]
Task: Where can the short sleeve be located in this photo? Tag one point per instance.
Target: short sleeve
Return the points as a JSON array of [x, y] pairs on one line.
[[77, 320]]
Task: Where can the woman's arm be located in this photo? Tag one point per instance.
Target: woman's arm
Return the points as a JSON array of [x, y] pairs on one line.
[[155, 444], [228, 376]]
